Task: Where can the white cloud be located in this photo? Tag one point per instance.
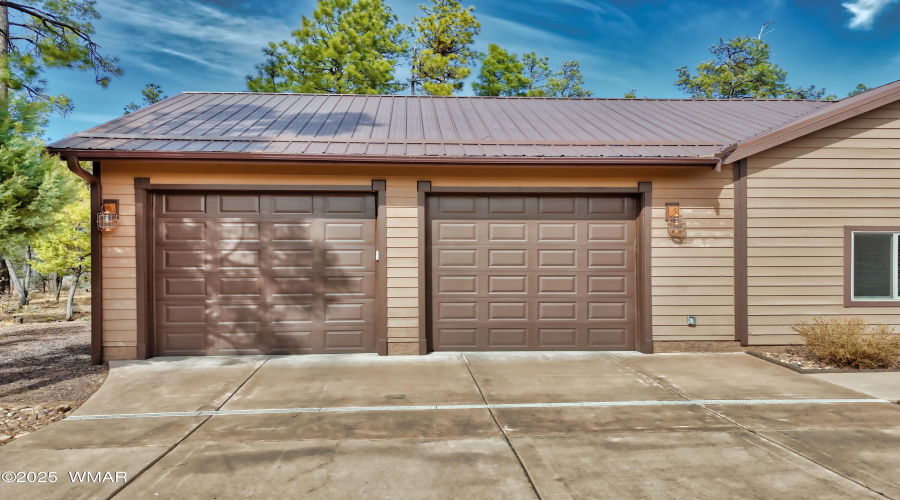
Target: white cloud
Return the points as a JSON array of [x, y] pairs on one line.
[[207, 35], [605, 11], [865, 11], [202, 61]]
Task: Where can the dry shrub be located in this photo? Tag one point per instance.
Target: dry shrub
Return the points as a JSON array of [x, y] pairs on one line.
[[850, 342]]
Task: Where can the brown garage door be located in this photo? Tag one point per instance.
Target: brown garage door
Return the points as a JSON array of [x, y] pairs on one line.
[[264, 273], [532, 273]]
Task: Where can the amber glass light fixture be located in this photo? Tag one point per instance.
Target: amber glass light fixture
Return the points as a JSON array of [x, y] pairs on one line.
[[108, 218], [675, 221]]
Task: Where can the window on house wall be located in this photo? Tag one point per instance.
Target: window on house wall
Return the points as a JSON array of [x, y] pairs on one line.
[[874, 265]]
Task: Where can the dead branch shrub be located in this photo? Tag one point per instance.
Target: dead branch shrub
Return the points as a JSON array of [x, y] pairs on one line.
[[850, 342]]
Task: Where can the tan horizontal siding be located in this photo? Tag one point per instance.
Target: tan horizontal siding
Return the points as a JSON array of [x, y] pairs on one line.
[[800, 197]]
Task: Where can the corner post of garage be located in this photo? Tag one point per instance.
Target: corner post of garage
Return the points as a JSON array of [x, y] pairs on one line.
[[741, 327], [379, 188], [96, 271], [424, 187], [645, 330], [144, 339]]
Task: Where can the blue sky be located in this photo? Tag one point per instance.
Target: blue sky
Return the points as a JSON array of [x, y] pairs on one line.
[[209, 45]]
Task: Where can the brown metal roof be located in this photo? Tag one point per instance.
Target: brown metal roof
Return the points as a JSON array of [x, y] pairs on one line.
[[428, 128]]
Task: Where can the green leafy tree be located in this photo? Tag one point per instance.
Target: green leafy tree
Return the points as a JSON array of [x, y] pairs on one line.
[[501, 74], [568, 81], [32, 184], [537, 71], [443, 52], [346, 47], [40, 34], [65, 248], [631, 94], [858, 90], [742, 68], [152, 93], [271, 73]]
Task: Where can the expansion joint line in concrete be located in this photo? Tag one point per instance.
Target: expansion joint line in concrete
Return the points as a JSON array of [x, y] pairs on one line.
[[512, 448], [175, 445], [704, 405], [586, 404]]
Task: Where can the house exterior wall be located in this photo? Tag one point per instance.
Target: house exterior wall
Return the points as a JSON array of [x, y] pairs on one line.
[[799, 198], [694, 277]]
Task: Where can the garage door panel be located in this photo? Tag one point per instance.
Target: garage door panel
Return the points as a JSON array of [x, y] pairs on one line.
[[294, 287], [181, 315], [182, 232], [561, 232], [347, 340], [291, 232], [507, 311], [228, 260], [182, 260], [507, 338], [565, 284], [450, 232], [293, 314], [610, 234], [182, 287], [238, 204], [507, 232], [182, 204], [235, 233], [515, 284], [281, 274], [179, 343], [557, 338], [361, 285], [531, 272], [606, 337], [293, 204]]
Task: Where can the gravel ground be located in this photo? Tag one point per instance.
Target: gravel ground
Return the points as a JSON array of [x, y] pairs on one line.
[[45, 373]]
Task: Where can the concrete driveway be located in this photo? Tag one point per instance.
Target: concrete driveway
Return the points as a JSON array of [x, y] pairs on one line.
[[519, 425]]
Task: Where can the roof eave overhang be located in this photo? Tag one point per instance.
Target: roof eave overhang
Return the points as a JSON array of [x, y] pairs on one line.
[[815, 121], [220, 156]]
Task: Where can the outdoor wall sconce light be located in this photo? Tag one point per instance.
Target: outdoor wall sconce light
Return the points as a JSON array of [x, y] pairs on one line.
[[675, 221], [108, 218]]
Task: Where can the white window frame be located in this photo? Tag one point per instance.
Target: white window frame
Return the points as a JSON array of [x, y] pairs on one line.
[[895, 243]]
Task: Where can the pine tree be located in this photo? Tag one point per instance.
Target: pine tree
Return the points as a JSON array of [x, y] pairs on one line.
[[568, 81], [32, 184], [501, 74], [346, 47], [39, 34], [443, 51]]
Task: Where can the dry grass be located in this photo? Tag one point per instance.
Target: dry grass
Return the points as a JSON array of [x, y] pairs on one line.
[[43, 307], [850, 343]]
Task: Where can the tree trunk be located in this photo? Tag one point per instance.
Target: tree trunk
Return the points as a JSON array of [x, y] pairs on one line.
[[57, 285], [26, 269], [4, 279], [4, 47], [14, 280], [70, 301]]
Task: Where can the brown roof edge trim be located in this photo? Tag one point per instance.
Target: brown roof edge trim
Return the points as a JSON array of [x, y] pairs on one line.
[[356, 188], [815, 121], [74, 165], [221, 156], [528, 190]]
